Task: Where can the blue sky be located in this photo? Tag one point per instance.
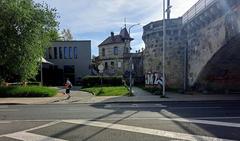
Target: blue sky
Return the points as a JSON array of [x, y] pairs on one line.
[[95, 19]]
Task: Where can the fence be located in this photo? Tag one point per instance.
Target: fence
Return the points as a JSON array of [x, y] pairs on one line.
[[196, 9]]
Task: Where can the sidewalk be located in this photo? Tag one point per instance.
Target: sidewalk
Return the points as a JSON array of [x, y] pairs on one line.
[[140, 96]]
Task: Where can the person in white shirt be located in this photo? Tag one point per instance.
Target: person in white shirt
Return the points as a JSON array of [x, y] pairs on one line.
[[68, 86]]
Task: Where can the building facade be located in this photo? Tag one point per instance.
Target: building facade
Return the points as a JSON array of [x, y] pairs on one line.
[[114, 54], [174, 51], [71, 59]]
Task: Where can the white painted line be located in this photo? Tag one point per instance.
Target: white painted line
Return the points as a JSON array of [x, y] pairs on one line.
[[35, 128], [5, 122], [9, 110], [216, 118], [195, 107], [135, 106], [25, 136], [162, 133], [43, 126], [217, 123], [3, 106]]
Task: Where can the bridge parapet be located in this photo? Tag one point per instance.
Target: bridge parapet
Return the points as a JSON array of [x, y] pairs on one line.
[[206, 39], [196, 9]]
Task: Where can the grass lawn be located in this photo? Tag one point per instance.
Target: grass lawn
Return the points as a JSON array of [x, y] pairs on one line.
[[107, 91], [27, 91]]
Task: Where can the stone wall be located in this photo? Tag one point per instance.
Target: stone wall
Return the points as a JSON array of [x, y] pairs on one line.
[[206, 39], [174, 51]]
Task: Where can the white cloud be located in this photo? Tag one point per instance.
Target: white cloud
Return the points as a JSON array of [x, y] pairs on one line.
[[99, 17]]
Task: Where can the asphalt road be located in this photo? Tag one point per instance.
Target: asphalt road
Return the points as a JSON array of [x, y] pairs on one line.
[[122, 121]]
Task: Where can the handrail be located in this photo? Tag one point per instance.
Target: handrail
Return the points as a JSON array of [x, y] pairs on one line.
[[195, 9]]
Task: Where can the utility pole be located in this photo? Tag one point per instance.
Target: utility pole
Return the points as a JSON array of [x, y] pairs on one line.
[[163, 56], [130, 59], [168, 10]]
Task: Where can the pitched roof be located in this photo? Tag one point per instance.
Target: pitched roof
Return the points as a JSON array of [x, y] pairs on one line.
[[124, 33], [113, 39]]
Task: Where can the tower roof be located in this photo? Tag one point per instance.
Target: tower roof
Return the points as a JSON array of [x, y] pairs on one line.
[[113, 39], [124, 33]]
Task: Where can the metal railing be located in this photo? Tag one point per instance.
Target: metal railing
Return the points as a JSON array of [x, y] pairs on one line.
[[196, 9]]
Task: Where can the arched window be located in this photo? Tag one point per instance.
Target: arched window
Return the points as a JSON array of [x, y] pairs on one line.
[[115, 51], [103, 51]]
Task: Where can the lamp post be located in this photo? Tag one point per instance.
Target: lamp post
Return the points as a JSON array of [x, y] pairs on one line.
[[164, 42], [130, 60], [163, 56]]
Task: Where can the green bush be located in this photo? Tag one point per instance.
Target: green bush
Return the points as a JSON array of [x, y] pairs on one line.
[[107, 91], [27, 91], [90, 81]]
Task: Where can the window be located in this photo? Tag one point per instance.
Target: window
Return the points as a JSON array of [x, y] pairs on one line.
[[55, 53], [106, 65], [115, 51], [112, 64], [66, 54], [168, 32], [70, 53], [60, 53], [119, 64], [75, 53], [50, 53], [103, 52]]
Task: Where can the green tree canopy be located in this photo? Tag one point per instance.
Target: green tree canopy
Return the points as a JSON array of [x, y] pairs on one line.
[[26, 29]]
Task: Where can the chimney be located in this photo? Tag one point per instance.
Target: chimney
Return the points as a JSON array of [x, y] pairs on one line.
[[112, 35]]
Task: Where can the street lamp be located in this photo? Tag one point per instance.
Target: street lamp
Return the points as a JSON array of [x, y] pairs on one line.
[[164, 43], [130, 60]]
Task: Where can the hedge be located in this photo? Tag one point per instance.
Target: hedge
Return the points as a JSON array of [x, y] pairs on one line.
[[27, 91], [90, 81]]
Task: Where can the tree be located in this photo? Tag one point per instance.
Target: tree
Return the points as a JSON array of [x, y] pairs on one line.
[[26, 29], [66, 35]]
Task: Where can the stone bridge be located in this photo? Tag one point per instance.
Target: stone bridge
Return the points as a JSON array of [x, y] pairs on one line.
[[213, 45]]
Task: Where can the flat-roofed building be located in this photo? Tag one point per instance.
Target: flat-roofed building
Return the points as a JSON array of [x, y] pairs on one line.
[[71, 59]]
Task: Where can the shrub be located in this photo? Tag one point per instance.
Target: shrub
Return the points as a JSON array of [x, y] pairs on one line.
[[28, 91], [90, 81], [107, 91]]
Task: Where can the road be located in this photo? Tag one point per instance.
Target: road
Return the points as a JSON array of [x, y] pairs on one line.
[[165, 121]]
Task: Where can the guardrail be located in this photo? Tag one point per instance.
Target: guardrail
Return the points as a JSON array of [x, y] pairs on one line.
[[196, 8]]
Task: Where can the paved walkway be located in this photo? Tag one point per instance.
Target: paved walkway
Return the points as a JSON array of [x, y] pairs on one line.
[[143, 96], [139, 96]]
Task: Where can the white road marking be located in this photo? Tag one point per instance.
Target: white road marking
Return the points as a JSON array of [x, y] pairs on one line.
[[217, 123], [9, 110], [25, 136], [195, 107], [43, 126], [3, 106], [216, 118], [162, 133], [135, 106], [5, 122]]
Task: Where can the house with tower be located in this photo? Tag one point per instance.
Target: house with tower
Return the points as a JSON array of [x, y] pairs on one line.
[[114, 55]]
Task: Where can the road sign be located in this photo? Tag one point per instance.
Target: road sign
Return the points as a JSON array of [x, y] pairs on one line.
[[100, 68]]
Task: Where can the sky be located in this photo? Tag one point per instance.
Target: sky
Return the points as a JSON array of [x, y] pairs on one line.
[[95, 19]]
